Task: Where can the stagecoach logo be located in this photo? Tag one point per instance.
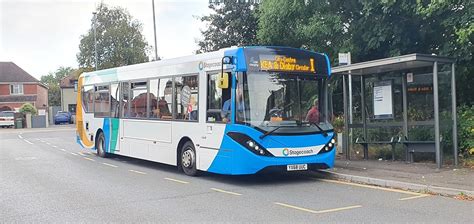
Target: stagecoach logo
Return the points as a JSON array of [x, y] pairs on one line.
[[296, 152], [285, 152], [208, 65]]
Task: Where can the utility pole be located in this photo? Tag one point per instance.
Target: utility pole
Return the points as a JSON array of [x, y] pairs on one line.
[[95, 37], [154, 29]]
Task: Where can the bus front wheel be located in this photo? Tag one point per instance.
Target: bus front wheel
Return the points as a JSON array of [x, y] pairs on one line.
[[188, 159], [100, 145]]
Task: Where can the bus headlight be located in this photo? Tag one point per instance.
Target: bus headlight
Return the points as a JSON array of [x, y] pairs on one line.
[[329, 146], [249, 143]]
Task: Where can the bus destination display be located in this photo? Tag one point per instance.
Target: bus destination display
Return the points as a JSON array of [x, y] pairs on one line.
[[286, 64]]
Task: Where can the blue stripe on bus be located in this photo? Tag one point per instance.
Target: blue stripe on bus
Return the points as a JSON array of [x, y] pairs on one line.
[[106, 129], [329, 64]]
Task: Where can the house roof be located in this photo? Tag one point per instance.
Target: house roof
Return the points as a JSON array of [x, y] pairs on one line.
[[68, 81], [10, 72]]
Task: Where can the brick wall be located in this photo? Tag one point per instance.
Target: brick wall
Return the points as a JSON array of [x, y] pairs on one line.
[[29, 89], [13, 106], [4, 89], [42, 98]]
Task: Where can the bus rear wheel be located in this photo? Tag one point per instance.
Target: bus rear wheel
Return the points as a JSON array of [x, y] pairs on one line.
[[188, 159], [100, 145]]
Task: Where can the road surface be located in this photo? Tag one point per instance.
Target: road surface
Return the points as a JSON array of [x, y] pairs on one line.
[[46, 177]]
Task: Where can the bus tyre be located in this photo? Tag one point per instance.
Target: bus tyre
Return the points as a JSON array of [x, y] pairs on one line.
[[100, 145], [188, 159]]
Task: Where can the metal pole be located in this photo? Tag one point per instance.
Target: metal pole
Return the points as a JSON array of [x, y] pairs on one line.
[[345, 144], [349, 139], [453, 109], [436, 114], [364, 118], [405, 111], [95, 38], [154, 29], [350, 88]]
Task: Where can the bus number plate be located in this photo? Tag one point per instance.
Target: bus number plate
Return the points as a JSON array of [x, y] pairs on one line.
[[294, 167]]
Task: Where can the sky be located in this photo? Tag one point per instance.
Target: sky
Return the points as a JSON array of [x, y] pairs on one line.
[[42, 35]]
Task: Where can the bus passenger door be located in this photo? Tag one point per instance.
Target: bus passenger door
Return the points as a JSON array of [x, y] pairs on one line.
[[114, 118], [217, 115]]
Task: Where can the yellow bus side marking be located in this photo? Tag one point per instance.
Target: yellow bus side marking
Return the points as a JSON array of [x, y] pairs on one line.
[[226, 192]]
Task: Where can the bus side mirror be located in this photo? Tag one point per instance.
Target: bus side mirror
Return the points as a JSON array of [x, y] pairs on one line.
[[223, 80]]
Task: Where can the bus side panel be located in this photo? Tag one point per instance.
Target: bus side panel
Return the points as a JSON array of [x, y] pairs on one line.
[[147, 139]]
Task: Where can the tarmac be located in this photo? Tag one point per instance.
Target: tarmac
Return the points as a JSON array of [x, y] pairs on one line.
[[418, 177]]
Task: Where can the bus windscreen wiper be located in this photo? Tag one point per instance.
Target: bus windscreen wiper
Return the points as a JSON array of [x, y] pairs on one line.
[[271, 131], [325, 134]]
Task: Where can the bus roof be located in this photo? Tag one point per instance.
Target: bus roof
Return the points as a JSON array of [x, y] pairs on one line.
[[211, 61]]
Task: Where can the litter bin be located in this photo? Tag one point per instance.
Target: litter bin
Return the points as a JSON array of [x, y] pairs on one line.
[[18, 123]]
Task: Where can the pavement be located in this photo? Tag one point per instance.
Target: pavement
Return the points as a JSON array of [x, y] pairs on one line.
[[46, 177], [418, 177]]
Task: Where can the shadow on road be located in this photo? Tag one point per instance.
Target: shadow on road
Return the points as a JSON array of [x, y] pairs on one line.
[[272, 178]]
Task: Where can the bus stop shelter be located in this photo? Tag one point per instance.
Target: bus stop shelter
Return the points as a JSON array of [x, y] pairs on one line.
[[406, 102]]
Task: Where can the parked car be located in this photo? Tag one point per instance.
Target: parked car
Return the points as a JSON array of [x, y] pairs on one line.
[[6, 119], [62, 117]]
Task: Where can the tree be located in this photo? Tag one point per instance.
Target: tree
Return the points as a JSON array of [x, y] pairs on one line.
[[28, 108], [373, 29], [52, 80], [315, 25], [119, 40], [233, 23]]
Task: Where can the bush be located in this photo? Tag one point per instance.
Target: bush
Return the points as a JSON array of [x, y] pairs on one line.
[[338, 123], [28, 108], [466, 130]]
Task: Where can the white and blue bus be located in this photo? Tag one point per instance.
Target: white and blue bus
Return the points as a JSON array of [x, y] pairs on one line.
[[233, 111]]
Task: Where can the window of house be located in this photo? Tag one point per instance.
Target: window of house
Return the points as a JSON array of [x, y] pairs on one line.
[[75, 86], [138, 102], [88, 98], [102, 101], [16, 89], [186, 98], [71, 108]]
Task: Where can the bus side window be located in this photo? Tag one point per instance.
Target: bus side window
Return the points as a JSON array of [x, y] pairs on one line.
[[216, 100], [102, 101], [124, 104], [114, 97], [138, 102], [186, 97]]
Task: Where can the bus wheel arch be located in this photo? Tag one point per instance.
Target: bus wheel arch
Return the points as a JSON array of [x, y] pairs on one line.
[[100, 143], [186, 157]]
